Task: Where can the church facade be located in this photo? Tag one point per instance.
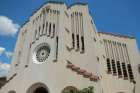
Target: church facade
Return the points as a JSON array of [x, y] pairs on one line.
[[59, 50]]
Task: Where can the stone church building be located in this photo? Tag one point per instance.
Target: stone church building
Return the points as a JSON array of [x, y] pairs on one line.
[[59, 50]]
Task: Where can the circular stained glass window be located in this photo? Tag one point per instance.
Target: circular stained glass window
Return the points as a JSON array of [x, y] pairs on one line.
[[41, 53]]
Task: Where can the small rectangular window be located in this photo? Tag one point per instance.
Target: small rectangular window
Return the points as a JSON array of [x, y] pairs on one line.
[[124, 71], [77, 36], [114, 67], [108, 65], [56, 47], [83, 45], [46, 27], [43, 29], [73, 40], [49, 29], [119, 69], [131, 76]]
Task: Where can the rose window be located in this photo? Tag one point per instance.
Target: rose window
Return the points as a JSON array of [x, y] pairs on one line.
[[41, 53]]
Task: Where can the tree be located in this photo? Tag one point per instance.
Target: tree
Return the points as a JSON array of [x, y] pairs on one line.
[[71, 89]]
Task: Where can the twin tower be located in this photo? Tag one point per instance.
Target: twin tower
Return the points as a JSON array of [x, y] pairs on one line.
[[60, 51]]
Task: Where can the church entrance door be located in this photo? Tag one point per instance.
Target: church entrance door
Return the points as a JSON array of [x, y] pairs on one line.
[[40, 90]]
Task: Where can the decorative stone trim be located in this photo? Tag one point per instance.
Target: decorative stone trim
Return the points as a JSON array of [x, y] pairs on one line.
[[94, 78], [83, 72], [87, 74]]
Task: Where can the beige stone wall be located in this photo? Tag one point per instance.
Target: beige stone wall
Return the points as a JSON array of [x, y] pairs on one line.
[[55, 74], [113, 84], [89, 55]]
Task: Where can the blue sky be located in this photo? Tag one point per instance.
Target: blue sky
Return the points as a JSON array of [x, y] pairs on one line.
[[116, 16]]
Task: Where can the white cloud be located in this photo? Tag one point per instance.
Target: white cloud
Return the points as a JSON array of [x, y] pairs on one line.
[[9, 54], [2, 50], [7, 26], [4, 69], [6, 53]]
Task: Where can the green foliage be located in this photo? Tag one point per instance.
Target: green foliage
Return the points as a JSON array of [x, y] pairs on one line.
[[90, 89], [71, 91]]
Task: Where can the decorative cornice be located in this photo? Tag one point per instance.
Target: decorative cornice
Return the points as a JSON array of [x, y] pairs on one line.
[[117, 35]]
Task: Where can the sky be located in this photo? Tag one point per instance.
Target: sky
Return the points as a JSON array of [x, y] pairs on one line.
[[115, 16]]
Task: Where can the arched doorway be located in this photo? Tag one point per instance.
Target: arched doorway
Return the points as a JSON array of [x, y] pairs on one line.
[[12, 91], [38, 88]]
